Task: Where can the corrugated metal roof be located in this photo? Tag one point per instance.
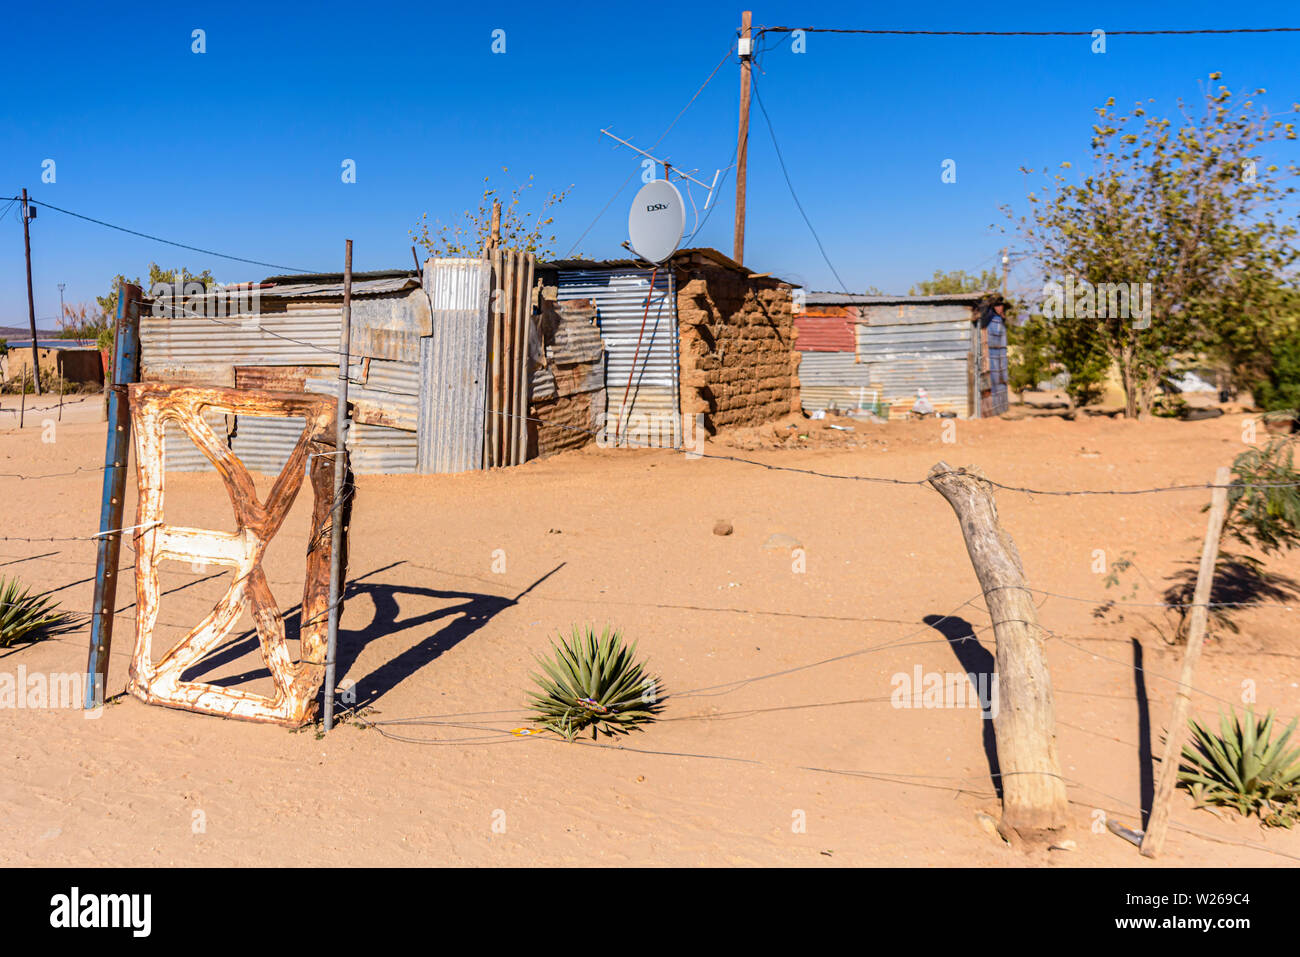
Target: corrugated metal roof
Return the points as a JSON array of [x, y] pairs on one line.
[[337, 277], [330, 290], [679, 258]]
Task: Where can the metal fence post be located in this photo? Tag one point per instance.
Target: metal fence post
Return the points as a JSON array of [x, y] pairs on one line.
[[340, 471], [126, 357]]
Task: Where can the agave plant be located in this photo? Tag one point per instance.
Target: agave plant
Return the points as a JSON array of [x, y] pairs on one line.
[[24, 615], [594, 681], [1244, 767]]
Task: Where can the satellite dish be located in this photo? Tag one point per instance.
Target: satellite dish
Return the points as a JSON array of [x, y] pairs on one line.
[[656, 221]]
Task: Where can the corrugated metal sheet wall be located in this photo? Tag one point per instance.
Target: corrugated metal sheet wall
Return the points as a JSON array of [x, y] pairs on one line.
[[453, 366], [651, 416], [917, 346], [204, 350]]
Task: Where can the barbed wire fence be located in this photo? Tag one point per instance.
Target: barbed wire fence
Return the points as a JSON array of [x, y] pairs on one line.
[[486, 724]]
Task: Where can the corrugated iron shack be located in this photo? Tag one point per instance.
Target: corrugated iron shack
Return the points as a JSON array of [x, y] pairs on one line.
[[415, 369], [863, 352]]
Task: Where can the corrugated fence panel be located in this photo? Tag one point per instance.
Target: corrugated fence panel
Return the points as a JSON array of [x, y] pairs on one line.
[[390, 327], [453, 366], [188, 347], [910, 347], [388, 395], [651, 414], [180, 454], [834, 380], [380, 451]]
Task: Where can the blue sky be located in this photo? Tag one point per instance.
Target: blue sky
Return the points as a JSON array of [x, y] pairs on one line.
[[239, 149]]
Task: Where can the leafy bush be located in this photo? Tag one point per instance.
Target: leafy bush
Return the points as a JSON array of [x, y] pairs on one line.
[[1244, 768], [24, 616], [594, 682], [1280, 389], [1268, 518]]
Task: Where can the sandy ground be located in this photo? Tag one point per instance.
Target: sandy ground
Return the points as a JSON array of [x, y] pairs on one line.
[[768, 752]]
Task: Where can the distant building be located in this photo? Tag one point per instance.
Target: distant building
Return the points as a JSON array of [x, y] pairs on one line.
[[863, 352]]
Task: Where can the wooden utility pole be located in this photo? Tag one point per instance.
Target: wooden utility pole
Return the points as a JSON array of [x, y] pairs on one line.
[[742, 143], [1024, 722], [1158, 824], [31, 303]]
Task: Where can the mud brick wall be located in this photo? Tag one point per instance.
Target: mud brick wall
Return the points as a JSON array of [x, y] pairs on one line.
[[738, 364], [576, 411]]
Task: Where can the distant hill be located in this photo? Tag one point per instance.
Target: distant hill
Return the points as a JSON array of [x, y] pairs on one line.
[[22, 332]]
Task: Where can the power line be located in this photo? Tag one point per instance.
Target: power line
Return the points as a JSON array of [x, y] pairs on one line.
[[1029, 33], [159, 239], [604, 209], [758, 97]]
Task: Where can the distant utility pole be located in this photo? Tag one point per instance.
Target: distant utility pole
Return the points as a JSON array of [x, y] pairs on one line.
[[61, 308], [31, 303], [746, 49], [1006, 262]]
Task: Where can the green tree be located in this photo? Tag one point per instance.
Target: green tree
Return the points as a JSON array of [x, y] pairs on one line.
[[956, 281], [108, 303], [1279, 386], [520, 229], [1191, 207], [1029, 355]]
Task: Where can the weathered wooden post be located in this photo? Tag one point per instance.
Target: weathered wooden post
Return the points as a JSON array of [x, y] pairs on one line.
[[126, 356], [1024, 723], [1158, 823]]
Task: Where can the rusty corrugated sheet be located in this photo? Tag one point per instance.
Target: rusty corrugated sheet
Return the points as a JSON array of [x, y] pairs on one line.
[[826, 329], [297, 350], [390, 327]]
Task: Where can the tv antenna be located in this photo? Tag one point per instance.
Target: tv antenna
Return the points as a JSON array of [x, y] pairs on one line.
[[669, 167]]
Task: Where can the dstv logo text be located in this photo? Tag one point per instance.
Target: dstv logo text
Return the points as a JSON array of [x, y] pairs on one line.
[[655, 207]]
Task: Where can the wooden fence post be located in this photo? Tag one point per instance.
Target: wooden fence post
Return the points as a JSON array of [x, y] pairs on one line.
[[1158, 823], [1024, 724]]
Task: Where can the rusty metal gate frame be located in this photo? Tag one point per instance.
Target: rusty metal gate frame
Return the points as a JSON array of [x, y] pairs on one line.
[[296, 685]]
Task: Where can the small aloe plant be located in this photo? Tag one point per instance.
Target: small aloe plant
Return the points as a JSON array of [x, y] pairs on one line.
[[594, 681], [24, 616], [1245, 767]]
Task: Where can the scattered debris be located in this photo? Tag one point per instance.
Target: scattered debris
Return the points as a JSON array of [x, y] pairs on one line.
[[722, 527], [1130, 835]]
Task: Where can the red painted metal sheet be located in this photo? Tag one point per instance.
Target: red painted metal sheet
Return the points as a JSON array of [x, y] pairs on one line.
[[827, 329]]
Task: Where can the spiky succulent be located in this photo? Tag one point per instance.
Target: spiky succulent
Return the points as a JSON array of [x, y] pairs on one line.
[[24, 615], [1244, 767], [594, 682]]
